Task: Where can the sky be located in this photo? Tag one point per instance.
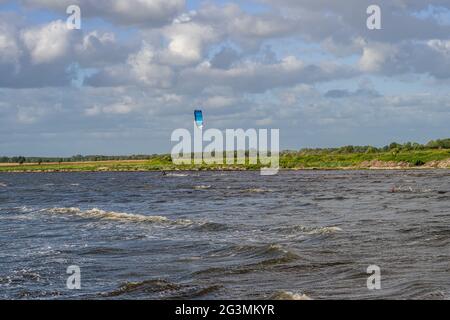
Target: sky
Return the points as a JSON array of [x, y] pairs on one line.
[[137, 69]]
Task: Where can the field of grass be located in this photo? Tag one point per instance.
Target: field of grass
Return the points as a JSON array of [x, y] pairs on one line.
[[288, 160], [338, 160]]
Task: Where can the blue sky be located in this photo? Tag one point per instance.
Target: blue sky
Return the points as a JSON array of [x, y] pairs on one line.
[[137, 69]]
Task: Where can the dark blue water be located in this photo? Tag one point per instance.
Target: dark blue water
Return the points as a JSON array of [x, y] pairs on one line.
[[225, 235]]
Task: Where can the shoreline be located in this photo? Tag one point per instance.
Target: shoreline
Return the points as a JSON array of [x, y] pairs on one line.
[[231, 170], [324, 162]]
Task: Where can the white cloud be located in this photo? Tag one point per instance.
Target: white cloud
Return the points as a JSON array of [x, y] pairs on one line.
[[126, 106], [128, 12], [375, 56], [47, 43], [219, 102], [147, 71], [42, 55], [187, 42], [442, 46], [258, 77]]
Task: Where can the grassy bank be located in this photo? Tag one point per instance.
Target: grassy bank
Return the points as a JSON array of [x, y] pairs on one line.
[[307, 159], [324, 159]]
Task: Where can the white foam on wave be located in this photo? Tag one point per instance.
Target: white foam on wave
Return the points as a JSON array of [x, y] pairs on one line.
[[179, 175], [3, 185], [325, 230], [410, 189], [287, 295], [257, 190], [203, 187], [114, 216], [315, 230]]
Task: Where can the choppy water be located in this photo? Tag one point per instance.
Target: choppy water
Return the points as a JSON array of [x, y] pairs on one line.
[[225, 235]]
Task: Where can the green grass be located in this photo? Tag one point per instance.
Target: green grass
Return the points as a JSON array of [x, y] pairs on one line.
[[337, 160], [290, 160]]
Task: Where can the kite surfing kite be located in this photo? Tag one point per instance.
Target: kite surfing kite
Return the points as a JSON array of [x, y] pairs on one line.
[[198, 114]]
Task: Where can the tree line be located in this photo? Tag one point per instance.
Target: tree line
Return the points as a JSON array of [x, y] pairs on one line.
[[393, 147], [77, 158]]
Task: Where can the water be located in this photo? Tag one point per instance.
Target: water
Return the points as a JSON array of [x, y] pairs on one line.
[[237, 235]]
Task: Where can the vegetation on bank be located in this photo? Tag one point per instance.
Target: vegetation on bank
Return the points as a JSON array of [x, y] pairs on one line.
[[409, 155]]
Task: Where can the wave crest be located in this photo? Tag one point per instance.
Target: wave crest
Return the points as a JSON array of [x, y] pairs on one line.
[[203, 187], [114, 216], [257, 190], [287, 295], [311, 230]]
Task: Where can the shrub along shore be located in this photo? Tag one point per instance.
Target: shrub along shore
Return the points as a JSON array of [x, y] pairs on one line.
[[435, 154]]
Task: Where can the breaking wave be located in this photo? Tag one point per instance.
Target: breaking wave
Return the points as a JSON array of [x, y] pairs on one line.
[[257, 258], [149, 286], [410, 189], [115, 216], [205, 226], [204, 187], [257, 190], [254, 251], [287, 295], [3, 185], [177, 175], [161, 288], [310, 230]]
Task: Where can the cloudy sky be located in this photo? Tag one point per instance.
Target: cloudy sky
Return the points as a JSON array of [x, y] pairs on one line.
[[138, 68]]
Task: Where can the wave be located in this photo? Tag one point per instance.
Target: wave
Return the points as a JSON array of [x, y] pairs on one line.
[[161, 288], [201, 226], [253, 251], [310, 230], [248, 190], [257, 190], [23, 209], [177, 175], [21, 276], [115, 216], [287, 295], [3, 185], [148, 286], [409, 189], [204, 187], [199, 292], [17, 213], [339, 198], [212, 226], [325, 230], [27, 294], [258, 258]]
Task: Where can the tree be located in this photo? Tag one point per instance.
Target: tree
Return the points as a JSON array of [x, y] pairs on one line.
[[394, 145], [371, 150], [395, 151]]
